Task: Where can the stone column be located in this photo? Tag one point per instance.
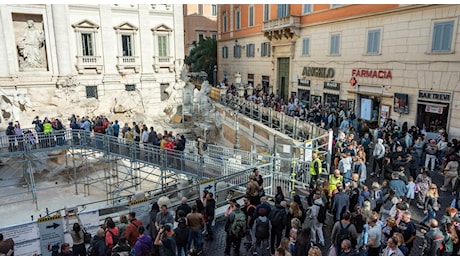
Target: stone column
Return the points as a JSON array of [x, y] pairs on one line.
[[4, 63], [61, 33]]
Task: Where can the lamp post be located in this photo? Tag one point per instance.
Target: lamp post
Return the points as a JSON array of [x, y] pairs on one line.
[[236, 146], [215, 76]]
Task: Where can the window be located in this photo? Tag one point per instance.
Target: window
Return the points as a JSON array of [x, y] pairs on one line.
[[250, 50], [442, 36], [335, 44], [306, 9], [373, 41], [87, 44], [163, 44], [237, 51], [91, 92], [305, 46], [283, 11], [200, 37], [131, 87], [200, 9], [266, 12], [213, 10], [224, 23], [265, 49], [237, 19], [214, 36], [251, 16], [225, 52], [86, 36], [335, 5], [127, 45]]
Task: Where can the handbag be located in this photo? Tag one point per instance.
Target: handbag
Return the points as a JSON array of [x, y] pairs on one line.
[[86, 236]]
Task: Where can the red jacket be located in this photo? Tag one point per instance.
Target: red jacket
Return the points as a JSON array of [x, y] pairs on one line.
[[131, 231]]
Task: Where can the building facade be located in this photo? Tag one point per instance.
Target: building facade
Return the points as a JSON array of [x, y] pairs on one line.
[[382, 60], [200, 21], [122, 57]]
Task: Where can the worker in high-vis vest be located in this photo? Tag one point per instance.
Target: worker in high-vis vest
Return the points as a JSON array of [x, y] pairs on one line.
[[316, 167], [335, 180]]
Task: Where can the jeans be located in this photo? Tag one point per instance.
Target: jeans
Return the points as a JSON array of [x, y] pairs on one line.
[[431, 214], [430, 158], [196, 236]]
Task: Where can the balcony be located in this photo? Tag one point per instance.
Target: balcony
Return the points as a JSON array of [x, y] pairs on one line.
[[163, 62], [282, 27], [86, 63], [128, 63]]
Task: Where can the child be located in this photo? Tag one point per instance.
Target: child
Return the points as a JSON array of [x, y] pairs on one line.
[[410, 190]]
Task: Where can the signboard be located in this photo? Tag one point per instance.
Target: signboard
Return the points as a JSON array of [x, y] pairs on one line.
[[141, 207], [51, 233], [433, 109], [303, 82], [308, 150], [401, 103], [434, 96], [384, 113], [21, 233], [366, 109], [26, 238], [208, 185], [332, 85]]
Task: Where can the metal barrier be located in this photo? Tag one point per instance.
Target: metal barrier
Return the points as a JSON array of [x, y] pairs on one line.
[[292, 126]]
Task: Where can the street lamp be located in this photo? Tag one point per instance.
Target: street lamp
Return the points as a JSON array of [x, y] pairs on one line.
[[236, 146], [215, 76]]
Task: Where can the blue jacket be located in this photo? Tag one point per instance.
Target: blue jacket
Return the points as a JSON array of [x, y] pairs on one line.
[[143, 246], [399, 186]]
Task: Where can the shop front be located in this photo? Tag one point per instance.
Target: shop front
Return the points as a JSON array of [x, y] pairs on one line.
[[433, 110], [331, 94], [303, 89]]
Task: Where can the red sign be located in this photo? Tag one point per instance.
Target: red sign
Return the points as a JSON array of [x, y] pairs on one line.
[[366, 73], [433, 109], [353, 81]]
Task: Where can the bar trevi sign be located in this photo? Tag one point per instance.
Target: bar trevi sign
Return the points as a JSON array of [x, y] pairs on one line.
[[434, 96]]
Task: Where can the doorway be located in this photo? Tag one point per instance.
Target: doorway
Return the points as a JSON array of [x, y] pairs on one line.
[[283, 78]]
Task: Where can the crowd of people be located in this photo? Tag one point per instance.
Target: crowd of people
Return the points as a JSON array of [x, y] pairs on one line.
[[370, 196]]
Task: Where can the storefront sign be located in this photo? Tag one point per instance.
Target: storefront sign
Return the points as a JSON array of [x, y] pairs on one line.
[[318, 72], [332, 85], [437, 96], [433, 109], [303, 82], [367, 73]]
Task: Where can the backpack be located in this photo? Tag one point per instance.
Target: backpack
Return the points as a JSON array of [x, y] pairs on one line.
[[321, 214], [205, 146], [276, 217], [238, 227], [114, 237], [344, 234], [262, 229]]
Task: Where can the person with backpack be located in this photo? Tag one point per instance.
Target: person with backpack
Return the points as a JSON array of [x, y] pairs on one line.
[[261, 229], [182, 232], [235, 227], [278, 219], [97, 244], [342, 230], [132, 232], [144, 243], [111, 236], [317, 219], [433, 240]]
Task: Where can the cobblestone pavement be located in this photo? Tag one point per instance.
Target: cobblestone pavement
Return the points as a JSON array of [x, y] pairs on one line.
[[217, 246]]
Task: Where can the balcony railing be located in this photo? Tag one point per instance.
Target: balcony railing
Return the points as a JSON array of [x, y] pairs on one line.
[[128, 62], [85, 63], [163, 62], [282, 23]]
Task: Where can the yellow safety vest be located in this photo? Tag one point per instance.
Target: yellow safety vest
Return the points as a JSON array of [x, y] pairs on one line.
[[312, 168]]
